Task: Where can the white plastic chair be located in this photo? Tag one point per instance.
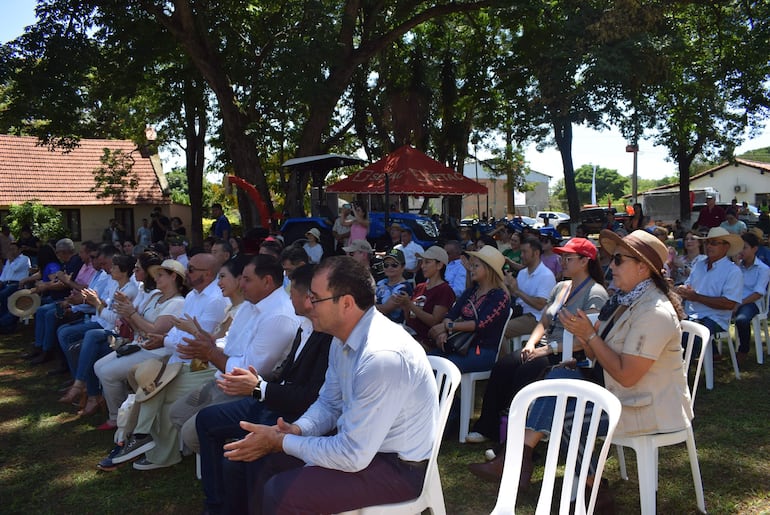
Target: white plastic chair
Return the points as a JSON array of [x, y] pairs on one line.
[[517, 342], [646, 446], [759, 325], [583, 392], [468, 390], [432, 497], [720, 337]]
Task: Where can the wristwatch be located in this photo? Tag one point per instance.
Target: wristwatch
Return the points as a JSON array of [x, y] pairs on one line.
[[450, 326], [554, 345], [257, 392]]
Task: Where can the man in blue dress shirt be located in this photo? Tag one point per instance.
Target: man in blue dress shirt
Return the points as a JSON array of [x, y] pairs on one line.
[[379, 394]]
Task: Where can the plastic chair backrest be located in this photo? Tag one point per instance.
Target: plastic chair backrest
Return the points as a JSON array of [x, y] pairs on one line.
[[447, 381], [567, 341], [590, 402], [693, 329]]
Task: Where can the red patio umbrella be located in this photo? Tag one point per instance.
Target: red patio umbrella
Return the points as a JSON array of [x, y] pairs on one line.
[[409, 172]]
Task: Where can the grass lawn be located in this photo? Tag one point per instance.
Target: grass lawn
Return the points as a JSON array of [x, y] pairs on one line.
[[48, 454]]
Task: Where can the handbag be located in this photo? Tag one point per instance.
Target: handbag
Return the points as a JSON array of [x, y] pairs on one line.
[[459, 342]]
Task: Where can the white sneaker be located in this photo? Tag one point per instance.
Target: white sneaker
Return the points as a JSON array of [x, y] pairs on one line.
[[145, 464], [474, 437]]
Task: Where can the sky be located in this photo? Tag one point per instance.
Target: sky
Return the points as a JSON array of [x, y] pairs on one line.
[[606, 149]]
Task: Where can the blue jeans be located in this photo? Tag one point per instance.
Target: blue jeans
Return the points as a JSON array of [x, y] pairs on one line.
[[713, 328], [93, 348], [45, 326], [471, 362], [5, 292], [70, 334], [216, 424], [743, 317]]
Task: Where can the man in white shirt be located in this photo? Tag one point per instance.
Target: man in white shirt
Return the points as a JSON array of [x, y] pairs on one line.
[[379, 394], [531, 289], [260, 336], [410, 250], [154, 434], [15, 269]]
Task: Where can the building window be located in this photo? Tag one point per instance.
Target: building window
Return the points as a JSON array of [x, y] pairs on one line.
[[71, 220]]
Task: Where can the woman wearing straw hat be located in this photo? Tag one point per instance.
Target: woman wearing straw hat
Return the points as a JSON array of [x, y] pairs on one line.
[[315, 252], [585, 290], [483, 309], [636, 342], [153, 312]]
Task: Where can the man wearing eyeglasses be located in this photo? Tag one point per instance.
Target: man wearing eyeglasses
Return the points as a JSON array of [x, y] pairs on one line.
[[380, 395], [714, 287]]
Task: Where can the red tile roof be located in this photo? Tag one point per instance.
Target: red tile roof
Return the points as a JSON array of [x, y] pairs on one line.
[[29, 171]]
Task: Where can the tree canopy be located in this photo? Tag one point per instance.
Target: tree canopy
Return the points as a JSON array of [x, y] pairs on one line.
[[265, 80]]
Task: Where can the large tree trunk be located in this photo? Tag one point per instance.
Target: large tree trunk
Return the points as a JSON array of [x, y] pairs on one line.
[[562, 129], [196, 125], [240, 146]]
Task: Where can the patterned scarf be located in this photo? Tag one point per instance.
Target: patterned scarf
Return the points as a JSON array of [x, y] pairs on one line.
[[623, 299]]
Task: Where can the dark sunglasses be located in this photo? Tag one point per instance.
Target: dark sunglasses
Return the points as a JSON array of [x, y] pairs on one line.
[[619, 258]]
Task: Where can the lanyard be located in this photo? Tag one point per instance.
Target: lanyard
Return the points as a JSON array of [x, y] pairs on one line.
[[565, 302]]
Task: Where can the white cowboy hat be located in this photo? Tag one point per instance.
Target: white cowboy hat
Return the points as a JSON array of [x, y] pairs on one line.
[[23, 303], [720, 233]]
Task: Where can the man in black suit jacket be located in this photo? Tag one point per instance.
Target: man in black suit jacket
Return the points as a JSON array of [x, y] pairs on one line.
[[286, 392]]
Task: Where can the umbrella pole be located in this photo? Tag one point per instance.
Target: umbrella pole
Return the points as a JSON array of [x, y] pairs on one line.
[[387, 200]]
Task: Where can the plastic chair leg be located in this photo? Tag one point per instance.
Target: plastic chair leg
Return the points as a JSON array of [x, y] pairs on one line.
[[756, 326], [731, 348], [622, 463], [695, 468], [467, 391], [708, 368], [645, 459]]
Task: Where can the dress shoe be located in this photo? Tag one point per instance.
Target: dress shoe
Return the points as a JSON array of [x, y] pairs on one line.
[[491, 471], [61, 369], [605, 501], [41, 358], [35, 352]]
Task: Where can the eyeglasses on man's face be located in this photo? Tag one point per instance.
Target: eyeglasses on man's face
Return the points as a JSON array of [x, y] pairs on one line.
[[314, 300]]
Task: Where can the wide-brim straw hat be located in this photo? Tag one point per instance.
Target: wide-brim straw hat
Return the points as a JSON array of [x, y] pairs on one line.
[[720, 233], [23, 303], [152, 376], [641, 244], [491, 256], [172, 265]]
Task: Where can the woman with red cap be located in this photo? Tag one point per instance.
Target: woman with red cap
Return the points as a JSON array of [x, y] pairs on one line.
[[584, 290]]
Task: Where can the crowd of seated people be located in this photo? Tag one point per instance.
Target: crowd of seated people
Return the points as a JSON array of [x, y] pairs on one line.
[[207, 337]]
